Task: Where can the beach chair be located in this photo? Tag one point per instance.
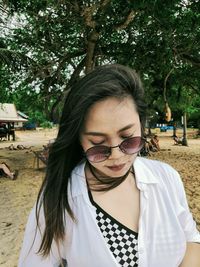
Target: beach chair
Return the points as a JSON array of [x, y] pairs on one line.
[[40, 155], [43, 154]]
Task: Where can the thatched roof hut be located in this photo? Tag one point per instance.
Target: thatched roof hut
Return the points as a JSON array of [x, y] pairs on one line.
[[8, 113]]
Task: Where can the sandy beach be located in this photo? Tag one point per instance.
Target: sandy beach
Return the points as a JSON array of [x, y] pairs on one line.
[[18, 197]]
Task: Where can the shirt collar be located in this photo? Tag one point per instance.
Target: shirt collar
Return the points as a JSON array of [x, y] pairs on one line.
[[143, 172]]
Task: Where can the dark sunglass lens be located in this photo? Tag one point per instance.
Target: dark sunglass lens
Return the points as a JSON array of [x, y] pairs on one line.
[[98, 153], [131, 145]]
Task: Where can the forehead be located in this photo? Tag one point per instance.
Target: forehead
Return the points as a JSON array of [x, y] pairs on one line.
[[111, 114]]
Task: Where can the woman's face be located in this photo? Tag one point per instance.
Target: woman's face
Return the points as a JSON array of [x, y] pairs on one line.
[[108, 123]]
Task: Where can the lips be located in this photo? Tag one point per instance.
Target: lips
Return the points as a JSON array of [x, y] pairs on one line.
[[116, 168]]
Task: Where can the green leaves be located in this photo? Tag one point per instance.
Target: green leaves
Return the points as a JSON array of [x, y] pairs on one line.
[[54, 42]]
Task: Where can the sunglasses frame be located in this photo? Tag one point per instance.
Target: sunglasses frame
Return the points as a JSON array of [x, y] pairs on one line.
[[142, 141]]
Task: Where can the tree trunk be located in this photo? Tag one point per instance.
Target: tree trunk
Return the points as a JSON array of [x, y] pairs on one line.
[[148, 126], [149, 131], [53, 114], [174, 129], [184, 141], [90, 51]]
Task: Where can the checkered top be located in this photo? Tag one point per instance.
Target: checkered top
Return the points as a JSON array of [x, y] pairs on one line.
[[121, 240]]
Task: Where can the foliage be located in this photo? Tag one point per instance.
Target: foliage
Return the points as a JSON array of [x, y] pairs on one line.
[[46, 124], [53, 43], [36, 117]]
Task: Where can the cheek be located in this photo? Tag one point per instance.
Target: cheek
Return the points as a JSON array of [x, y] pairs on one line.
[[130, 158], [133, 157]]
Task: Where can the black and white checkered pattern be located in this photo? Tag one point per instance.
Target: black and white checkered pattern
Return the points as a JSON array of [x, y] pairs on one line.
[[121, 241]]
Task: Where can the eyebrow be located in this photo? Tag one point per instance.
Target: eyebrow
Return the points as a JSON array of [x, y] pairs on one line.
[[103, 134]]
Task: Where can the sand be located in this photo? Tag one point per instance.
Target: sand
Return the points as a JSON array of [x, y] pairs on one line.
[[18, 197]]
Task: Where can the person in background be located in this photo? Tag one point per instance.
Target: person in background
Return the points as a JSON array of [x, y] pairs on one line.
[[177, 140], [100, 204], [154, 143], [6, 171]]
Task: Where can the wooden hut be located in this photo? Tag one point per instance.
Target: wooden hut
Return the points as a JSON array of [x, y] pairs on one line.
[[8, 118]]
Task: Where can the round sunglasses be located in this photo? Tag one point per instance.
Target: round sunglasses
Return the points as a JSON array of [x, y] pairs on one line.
[[129, 146]]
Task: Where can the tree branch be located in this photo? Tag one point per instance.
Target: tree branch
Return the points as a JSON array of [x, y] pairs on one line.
[[90, 50], [87, 14], [165, 85], [127, 20], [194, 61], [186, 56], [68, 57], [76, 74]]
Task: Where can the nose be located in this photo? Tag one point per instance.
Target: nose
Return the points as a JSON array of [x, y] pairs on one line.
[[115, 153]]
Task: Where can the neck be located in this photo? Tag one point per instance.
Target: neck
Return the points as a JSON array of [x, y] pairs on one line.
[[99, 182]]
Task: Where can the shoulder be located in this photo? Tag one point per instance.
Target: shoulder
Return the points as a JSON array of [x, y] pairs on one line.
[[157, 167], [163, 180]]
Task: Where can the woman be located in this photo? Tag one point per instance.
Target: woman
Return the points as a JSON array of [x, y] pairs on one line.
[[100, 204]]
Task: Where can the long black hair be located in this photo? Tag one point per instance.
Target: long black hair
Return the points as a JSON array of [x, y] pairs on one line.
[[66, 152]]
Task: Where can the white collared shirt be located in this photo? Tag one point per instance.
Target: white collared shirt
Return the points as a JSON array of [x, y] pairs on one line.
[[165, 224]]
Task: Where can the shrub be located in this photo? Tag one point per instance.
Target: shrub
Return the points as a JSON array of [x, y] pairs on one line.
[[46, 124]]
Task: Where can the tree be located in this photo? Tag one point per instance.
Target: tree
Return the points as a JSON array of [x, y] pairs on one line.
[[65, 39]]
